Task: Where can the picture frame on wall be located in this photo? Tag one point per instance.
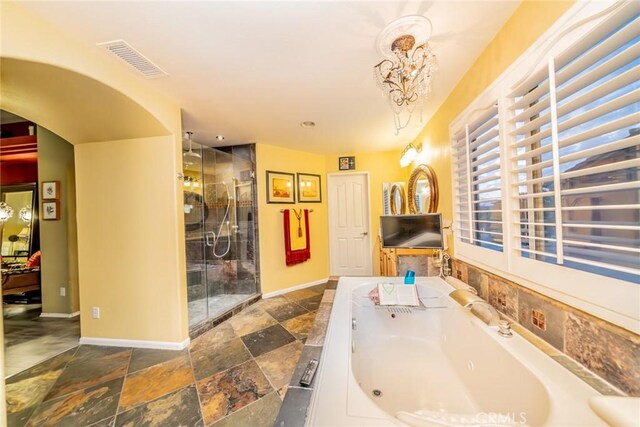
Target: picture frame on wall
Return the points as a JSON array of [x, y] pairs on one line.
[[346, 163], [309, 188], [50, 190], [280, 187], [51, 210]]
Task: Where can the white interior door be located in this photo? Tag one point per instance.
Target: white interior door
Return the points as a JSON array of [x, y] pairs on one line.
[[350, 240]]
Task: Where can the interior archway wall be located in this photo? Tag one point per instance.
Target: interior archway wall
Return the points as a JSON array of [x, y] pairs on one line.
[[127, 145]]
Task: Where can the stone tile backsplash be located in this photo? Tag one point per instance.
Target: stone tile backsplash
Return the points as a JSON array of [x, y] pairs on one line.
[[503, 297], [541, 317], [607, 350]]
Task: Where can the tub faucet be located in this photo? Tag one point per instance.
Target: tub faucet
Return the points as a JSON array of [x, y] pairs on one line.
[[470, 300], [494, 320]]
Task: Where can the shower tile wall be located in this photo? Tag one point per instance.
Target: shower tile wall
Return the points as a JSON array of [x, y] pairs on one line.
[[219, 281]]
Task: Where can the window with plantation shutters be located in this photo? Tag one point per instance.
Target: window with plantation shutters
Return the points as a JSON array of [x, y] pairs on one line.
[[575, 155], [546, 165], [478, 186]]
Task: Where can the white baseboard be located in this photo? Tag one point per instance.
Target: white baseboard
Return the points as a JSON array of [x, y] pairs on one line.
[[294, 288], [60, 315], [112, 342]]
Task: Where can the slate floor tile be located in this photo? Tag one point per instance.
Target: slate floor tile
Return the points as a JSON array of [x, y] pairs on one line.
[[311, 303], [143, 358], [231, 390], [301, 294], [221, 333], [278, 365], [86, 371], [286, 311], [261, 413], [251, 320], [148, 384], [219, 357], [81, 408], [267, 339], [26, 390], [301, 325], [180, 408]]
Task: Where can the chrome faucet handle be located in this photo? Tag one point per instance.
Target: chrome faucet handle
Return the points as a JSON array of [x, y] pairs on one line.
[[504, 329]]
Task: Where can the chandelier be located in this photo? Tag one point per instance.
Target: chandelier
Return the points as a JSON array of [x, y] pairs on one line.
[[25, 214], [6, 212], [406, 72]]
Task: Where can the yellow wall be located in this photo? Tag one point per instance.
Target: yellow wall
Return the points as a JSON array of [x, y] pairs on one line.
[[274, 273], [382, 167], [526, 25], [127, 141], [127, 257], [40, 64], [58, 239]]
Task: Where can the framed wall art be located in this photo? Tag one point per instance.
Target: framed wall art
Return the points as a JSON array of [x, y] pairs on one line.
[[280, 187], [51, 210], [346, 163], [309, 188], [50, 190]]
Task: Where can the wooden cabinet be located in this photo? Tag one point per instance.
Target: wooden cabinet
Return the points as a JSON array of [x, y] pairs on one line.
[[18, 283], [395, 261]]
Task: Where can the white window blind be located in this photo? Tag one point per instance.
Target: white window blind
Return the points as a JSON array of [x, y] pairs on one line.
[[575, 155], [478, 186]]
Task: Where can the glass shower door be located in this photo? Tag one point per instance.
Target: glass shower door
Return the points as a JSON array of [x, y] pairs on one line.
[[228, 233], [195, 214]]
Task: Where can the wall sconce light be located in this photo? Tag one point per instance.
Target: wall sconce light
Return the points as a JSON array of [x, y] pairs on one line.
[[408, 155], [190, 181], [6, 212]]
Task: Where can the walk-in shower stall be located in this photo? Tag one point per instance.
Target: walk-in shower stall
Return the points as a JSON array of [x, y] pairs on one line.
[[220, 229]]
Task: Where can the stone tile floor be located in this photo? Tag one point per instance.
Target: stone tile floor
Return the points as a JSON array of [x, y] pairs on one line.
[[30, 339], [233, 375]]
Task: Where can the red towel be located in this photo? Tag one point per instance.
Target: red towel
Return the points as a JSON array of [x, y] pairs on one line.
[[301, 255]]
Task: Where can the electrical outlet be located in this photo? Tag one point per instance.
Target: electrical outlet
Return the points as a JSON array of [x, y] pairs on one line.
[[95, 312], [63, 291]]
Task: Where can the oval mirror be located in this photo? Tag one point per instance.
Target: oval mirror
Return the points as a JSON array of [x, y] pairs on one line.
[[423, 190], [398, 201]]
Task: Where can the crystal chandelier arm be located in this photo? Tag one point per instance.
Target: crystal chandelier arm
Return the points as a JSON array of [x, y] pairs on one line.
[[406, 72]]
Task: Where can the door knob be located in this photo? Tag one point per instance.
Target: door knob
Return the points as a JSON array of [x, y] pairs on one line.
[[364, 233]]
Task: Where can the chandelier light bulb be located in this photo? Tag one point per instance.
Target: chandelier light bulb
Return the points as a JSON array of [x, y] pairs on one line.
[[409, 154], [25, 214], [6, 212]]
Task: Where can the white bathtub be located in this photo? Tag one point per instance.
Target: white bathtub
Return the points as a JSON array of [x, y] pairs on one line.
[[438, 365]]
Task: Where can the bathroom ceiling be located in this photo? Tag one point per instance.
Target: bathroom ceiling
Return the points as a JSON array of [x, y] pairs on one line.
[[253, 70]]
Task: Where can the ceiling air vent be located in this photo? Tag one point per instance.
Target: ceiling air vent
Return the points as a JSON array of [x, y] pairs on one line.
[[135, 59]]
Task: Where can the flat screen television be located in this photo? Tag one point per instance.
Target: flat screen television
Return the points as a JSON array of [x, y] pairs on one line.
[[412, 231]]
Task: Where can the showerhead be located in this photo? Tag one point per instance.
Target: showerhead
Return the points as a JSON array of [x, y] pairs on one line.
[[190, 158]]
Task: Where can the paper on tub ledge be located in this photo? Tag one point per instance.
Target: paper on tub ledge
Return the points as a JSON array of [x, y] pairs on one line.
[[398, 294]]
